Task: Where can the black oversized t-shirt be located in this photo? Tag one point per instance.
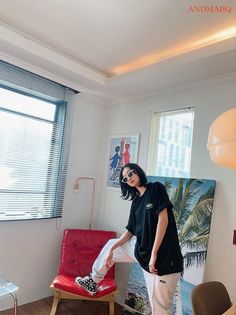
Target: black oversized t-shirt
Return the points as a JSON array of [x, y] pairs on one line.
[[142, 223]]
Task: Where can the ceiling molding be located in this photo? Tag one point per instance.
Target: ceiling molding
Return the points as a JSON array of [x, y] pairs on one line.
[[41, 72], [181, 59], [17, 43], [177, 88], [163, 76]]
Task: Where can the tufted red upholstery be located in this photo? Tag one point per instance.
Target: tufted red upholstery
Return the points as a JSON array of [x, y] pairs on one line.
[[79, 250]]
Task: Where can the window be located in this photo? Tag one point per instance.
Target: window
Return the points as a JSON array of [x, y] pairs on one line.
[[170, 143], [35, 120]]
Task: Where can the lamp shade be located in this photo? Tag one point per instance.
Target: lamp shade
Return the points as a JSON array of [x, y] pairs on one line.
[[222, 139]]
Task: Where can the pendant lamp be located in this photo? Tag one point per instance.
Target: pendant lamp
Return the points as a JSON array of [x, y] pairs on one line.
[[222, 139]]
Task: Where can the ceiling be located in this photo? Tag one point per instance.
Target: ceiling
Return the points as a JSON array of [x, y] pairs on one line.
[[124, 47]]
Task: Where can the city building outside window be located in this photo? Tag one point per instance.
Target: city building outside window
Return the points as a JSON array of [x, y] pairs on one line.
[[170, 143]]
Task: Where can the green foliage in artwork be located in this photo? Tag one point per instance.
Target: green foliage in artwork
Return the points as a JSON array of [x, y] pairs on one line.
[[192, 211]]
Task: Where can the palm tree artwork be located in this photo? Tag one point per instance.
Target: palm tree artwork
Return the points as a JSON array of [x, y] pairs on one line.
[[192, 211]]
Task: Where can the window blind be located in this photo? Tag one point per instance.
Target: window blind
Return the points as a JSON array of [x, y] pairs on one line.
[[170, 143], [35, 127]]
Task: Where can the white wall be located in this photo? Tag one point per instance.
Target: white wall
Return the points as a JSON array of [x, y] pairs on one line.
[[29, 250], [209, 99]]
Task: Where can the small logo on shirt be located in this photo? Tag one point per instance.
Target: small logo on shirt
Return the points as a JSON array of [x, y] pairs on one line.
[[149, 206]]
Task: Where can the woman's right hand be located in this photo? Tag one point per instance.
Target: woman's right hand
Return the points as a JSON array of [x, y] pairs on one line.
[[109, 262]]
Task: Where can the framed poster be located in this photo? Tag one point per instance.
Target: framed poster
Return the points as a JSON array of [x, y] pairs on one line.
[[123, 149], [193, 203]]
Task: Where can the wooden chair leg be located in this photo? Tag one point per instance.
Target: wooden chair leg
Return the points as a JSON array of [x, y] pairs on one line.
[[111, 307], [56, 300]]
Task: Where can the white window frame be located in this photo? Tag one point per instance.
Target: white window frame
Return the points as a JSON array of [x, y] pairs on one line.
[[154, 138]]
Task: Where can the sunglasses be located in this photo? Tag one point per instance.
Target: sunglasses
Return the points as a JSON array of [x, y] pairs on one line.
[[127, 176]]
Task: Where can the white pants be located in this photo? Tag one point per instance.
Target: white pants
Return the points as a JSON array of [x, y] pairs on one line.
[[160, 288]]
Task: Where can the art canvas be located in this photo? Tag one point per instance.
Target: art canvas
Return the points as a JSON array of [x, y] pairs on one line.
[[193, 202], [123, 149]]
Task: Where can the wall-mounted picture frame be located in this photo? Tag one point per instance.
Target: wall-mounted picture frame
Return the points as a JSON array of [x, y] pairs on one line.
[[122, 149]]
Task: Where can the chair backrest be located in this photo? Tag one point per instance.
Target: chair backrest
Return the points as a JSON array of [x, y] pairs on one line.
[[79, 250], [210, 298]]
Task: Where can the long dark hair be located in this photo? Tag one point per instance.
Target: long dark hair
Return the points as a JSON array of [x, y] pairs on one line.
[[128, 192]]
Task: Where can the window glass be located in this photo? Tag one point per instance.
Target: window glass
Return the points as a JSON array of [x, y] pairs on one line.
[[170, 143], [34, 144], [26, 104]]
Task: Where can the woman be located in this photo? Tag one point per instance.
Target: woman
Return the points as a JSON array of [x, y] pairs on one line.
[[156, 247]]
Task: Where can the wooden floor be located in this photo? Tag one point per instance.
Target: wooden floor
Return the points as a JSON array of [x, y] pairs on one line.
[[66, 307]]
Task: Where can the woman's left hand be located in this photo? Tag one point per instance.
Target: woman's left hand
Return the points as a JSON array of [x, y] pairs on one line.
[[151, 265]]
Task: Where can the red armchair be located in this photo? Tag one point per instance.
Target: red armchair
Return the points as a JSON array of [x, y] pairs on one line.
[[79, 250]]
